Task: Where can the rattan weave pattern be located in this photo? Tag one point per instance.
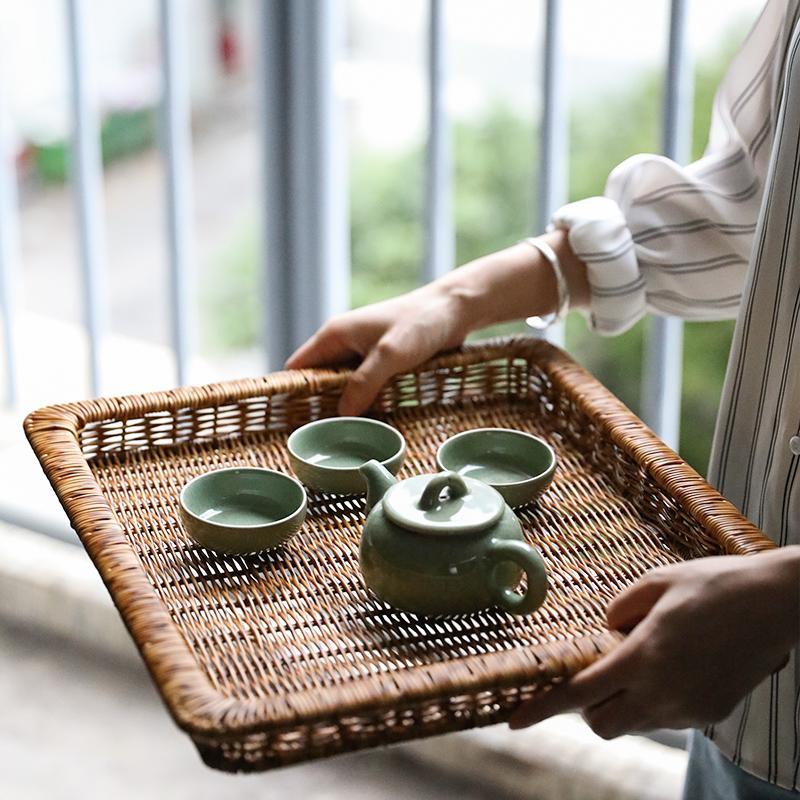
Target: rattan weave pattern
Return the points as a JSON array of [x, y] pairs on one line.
[[284, 656]]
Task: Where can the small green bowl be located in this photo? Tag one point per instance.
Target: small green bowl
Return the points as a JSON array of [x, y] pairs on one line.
[[326, 454], [242, 509], [520, 466]]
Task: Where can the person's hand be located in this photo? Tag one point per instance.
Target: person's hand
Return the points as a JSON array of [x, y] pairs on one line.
[[399, 334], [391, 337], [703, 633]]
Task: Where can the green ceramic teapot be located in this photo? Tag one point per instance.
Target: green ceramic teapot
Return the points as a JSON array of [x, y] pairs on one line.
[[445, 544]]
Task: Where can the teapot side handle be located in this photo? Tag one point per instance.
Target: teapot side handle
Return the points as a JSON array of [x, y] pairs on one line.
[[526, 558]]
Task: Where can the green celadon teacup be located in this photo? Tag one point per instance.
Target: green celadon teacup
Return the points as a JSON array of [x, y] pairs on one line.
[[242, 510], [517, 464], [326, 454]]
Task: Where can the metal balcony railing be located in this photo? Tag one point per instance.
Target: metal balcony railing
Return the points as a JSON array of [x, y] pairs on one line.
[[304, 183]]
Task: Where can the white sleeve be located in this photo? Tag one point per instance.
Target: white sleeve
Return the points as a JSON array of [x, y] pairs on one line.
[[676, 240]]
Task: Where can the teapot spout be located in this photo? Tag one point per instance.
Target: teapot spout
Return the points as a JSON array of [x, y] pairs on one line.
[[378, 480]]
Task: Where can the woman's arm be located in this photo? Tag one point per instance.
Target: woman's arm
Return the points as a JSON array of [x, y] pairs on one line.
[[666, 238]]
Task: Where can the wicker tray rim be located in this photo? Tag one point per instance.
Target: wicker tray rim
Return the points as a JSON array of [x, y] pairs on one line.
[[201, 709]]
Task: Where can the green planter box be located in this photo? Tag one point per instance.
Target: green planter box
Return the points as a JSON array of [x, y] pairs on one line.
[[122, 133]]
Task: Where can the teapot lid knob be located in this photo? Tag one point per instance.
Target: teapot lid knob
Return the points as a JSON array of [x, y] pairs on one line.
[[432, 496], [443, 504]]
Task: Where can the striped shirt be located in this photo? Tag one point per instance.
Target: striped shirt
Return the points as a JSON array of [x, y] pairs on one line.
[[717, 239]]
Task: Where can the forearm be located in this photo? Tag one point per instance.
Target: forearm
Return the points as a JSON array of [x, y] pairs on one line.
[[515, 283]]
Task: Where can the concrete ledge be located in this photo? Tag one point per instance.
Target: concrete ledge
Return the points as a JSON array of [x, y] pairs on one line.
[[52, 586]]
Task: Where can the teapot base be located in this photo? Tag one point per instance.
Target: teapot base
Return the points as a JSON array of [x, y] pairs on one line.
[[429, 594]]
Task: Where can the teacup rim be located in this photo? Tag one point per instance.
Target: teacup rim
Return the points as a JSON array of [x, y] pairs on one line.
[[514, 431], [397, 453], [254, 526]]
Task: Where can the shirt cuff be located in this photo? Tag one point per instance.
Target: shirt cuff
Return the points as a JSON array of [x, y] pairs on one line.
[[599, 236]]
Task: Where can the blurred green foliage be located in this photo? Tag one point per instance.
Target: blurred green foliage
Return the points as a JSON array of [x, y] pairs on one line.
[[495, 156]]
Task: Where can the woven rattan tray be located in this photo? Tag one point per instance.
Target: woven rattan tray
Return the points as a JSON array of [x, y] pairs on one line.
[[273, 659]]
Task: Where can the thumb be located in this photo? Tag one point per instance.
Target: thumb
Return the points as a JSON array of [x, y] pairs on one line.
[[327, 346], [632, 605]]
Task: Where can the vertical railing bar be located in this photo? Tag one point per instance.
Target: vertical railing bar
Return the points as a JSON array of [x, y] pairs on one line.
[[551, 187], [87, 172], [551, 178], [305, 223], [177, 149], [439, 228], [662, 373], [319, 216], [679, 89], [337, 207], [9, 250], [273, 84]]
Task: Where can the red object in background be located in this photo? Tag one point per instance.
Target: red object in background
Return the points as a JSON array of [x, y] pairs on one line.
[[23, 158], [228, 49]]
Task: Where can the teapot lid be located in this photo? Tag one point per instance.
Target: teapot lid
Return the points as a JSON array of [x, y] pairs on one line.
[[442, 504]]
